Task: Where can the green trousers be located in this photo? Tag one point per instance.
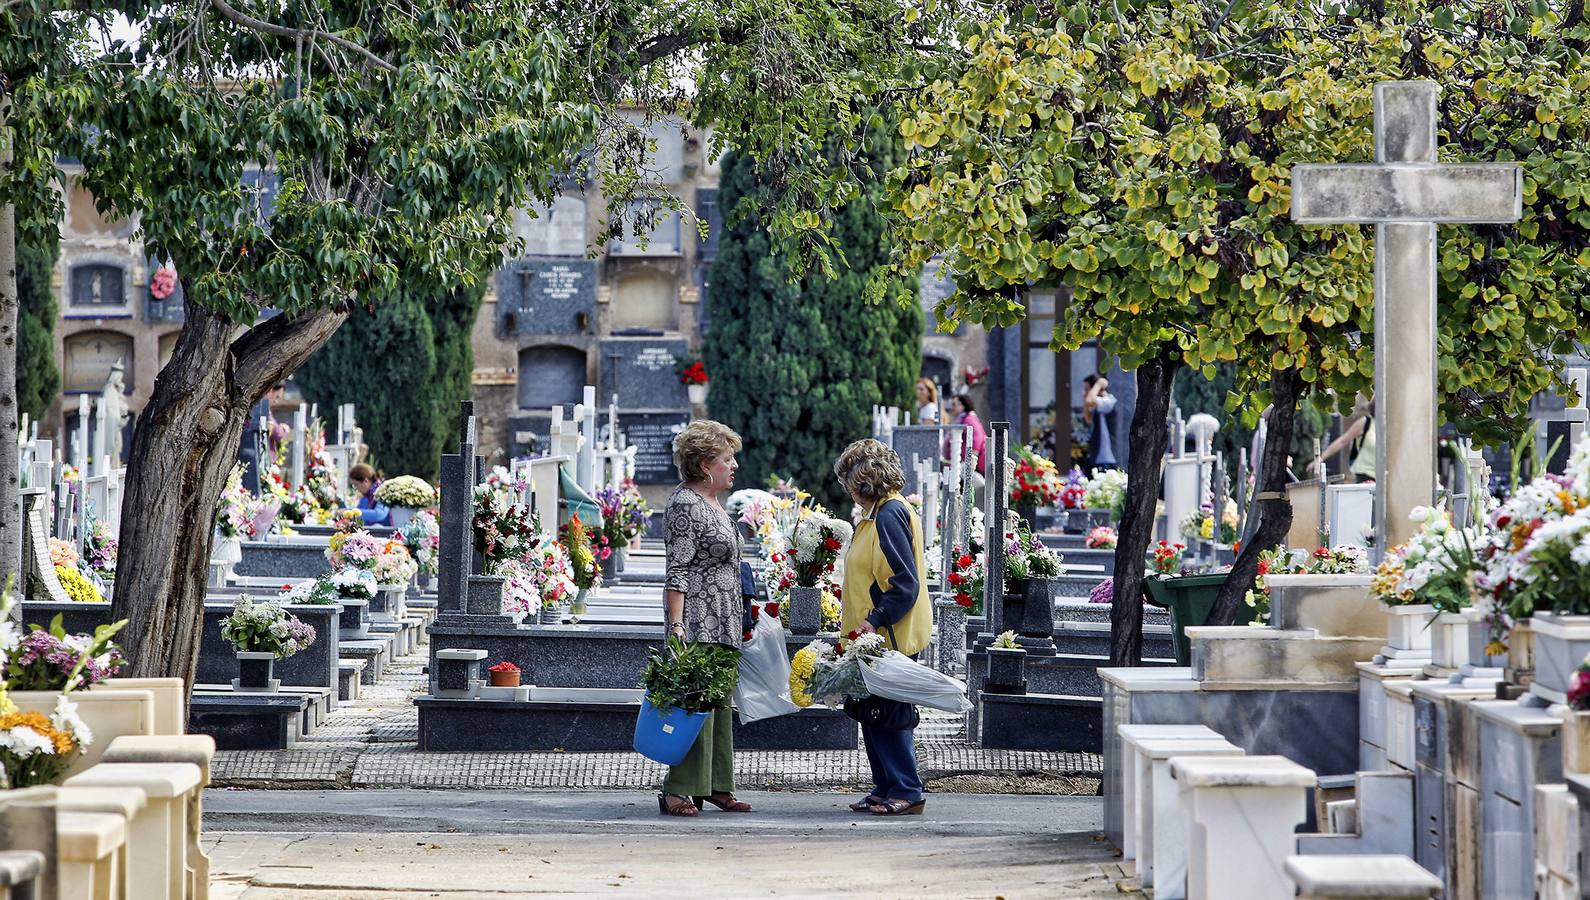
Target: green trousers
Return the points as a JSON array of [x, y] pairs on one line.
[[709, 767]]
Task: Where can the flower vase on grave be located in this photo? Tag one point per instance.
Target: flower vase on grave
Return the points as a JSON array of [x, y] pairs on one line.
[[697, 394], [1561, 642], [805, 610], [1007, 671], [1449, 640], [622, 555], [610, 567], [548, 615], [395, 595], [1408, 629], [578, 608], [254, 672], [1034, 608], [1029, 514]]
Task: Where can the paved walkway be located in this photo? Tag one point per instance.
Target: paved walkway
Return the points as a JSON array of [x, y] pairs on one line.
[[273, 845], [372, 743]]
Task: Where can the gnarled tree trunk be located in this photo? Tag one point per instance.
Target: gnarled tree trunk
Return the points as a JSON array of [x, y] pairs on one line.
[[1269, 497], [1149, 432], [183, 448]]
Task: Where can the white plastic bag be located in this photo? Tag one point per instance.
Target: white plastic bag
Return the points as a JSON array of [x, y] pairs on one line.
[[898, 677], [763, 691]]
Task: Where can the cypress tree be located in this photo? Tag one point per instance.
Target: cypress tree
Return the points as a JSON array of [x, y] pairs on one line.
[[796, 367], [38, 381]]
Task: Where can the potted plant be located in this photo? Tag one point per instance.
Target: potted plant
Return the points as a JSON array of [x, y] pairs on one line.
[[1030, 572], [262, 633], [1188, 594], [1007, 666], [683, 683], [504, 674], [405, 495], [693, 375], [1435, 569]]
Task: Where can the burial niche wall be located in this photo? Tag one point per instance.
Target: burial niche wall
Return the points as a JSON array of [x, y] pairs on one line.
[[551, 375], [645, 300]]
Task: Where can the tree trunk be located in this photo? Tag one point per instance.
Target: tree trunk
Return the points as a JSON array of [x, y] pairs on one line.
[[184, 447], [10, 410], [1150, 430], [1274, 510]]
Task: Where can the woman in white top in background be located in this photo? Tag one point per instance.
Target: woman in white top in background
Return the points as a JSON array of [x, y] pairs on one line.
[[927, 401]]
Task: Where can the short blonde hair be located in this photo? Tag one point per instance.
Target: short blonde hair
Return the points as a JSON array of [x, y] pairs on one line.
[[870, 469], [702, 441]]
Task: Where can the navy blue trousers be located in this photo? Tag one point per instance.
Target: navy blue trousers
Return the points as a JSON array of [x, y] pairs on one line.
[[892, 755]]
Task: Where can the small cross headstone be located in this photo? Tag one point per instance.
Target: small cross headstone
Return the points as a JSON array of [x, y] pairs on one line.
[[1405, 194]]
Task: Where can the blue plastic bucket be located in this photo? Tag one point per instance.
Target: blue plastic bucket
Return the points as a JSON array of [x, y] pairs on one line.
[[666, 737]]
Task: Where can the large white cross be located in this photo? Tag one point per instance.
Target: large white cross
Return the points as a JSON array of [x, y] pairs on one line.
[[1405, 193]]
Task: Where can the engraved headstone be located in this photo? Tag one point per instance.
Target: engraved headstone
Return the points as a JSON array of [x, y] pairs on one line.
[[540, 296], [651, 435], [642, 373], [916, 444]]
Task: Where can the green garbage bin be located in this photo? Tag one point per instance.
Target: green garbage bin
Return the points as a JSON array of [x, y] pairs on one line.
[[1189, 599]]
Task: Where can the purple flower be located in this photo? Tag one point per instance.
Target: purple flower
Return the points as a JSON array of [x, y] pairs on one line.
[[1103, 592]]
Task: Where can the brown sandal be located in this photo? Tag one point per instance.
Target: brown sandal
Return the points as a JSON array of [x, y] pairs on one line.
[[900, 808], [728, 805], [865, 804], [676, 805]]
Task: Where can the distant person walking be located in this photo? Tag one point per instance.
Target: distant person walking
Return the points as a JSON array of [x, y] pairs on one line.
[[1098, 411], [885, 592], [965, 413], [927, 402], [703, 603], [365, 483]]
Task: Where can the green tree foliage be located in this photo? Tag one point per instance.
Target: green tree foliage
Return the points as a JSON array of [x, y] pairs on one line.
[[797, 366], [38, 381], [406, 364], [1139, 152]]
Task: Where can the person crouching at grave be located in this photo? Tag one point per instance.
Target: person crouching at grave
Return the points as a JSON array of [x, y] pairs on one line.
[[702, 603], [364, 482], [885, 593]]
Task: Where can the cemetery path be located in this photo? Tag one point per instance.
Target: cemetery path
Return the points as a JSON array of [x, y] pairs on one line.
[[372, 743], [273, 845]]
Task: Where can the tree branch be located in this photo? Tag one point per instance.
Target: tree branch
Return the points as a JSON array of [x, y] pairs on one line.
[[232, 14], [665, 45], [269, 351]]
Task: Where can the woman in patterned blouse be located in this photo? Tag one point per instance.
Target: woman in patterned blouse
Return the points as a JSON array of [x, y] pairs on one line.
[[702, 603]]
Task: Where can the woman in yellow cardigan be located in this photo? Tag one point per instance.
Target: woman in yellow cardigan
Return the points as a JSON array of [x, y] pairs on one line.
[[885, 592]]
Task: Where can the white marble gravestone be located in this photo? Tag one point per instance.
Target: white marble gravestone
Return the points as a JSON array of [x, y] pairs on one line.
[[1405, 193]]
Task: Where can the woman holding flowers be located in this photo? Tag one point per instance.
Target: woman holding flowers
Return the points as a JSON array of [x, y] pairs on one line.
[[702, 602], [885, 593]]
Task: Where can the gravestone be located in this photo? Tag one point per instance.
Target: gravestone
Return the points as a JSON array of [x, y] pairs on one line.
[[651, 436], [39, 581], [641, 372], [917, 443], [994, 524], [1405, 193], [538, 296], [461, 592]]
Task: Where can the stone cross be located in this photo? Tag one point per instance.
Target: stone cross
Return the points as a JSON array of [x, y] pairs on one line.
[[1405, 193], [456, 555], [296, 451], [586, 461], [82, 434], [998, 489]]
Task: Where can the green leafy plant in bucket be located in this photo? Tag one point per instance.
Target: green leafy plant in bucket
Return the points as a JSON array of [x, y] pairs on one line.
[[693, 677]]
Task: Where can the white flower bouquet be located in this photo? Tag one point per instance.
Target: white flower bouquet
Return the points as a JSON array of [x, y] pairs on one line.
[[408, 491]]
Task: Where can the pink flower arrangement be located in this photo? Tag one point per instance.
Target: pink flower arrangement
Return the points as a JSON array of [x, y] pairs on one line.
[[163, 283], [1579, 687]]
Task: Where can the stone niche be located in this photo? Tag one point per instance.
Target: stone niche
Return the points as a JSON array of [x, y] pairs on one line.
[[645, 300], [89, 356], [83, 217], [551, 375], [546, 296], [558, 230], [97, 287]]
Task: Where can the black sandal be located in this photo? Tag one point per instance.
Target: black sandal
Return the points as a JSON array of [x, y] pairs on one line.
[[900, 808], [729, 805], [866, 803], [676, 805]]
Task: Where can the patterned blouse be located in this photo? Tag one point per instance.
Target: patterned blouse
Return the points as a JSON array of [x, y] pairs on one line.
[[704, 564]]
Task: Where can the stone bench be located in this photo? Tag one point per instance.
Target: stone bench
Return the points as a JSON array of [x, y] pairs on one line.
[[1367, 877], [89, 848], [373, 654], [124, 803], [241, 721], [348, 672], [157, 836], [1240, 814], [20, 872], [1161, 842], [315, 712], [196, 750]]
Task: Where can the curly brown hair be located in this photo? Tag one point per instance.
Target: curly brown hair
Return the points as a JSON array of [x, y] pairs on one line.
[[871, 469], [701, 442]]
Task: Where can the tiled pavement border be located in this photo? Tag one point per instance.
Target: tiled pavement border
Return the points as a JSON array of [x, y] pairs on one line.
[[371, 744]]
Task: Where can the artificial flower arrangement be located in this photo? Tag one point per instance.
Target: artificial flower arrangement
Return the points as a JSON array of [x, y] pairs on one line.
[[315, 592], [583, 556], [693, 371], [966, 580], [36, 748], [79, 589], [1026, 555], [423, 537], [1436, 566], [1006, 641], [163, 283], [1201, 525], [504, 528], [815, 548], [99, 552], [353, 583], [1103, 592], [830, 674], [1164, 559], [1101, 538], [407, 491], [1035, 481], [320, 470], [1075, 491], [265, 627], [1106, 490], [1579, 687], [234, 518], [62, 554], [543, 579], [358, 549]]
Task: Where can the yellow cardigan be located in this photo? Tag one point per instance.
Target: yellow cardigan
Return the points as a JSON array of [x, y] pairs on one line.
[[868, 575]]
